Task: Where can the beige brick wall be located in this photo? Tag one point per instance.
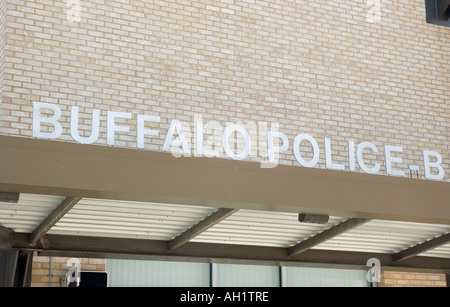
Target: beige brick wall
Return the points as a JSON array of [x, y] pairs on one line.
[[41, 272], [408, 279], [41, 269], [2, 46], [315, 67]]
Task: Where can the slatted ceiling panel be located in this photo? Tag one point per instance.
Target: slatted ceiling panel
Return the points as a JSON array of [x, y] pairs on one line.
[[381, 236], [249, 227], [126, 219], [360, 240], [355, 245], [407, 227], [440, 252], [29, 212]]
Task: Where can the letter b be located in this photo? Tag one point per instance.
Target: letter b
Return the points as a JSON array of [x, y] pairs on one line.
[[38, 119], [437, 164]]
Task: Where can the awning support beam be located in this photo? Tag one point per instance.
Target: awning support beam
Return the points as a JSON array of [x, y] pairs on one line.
[[421, 248], [325, 235], [40, 231], [102, 247], [202, 226]]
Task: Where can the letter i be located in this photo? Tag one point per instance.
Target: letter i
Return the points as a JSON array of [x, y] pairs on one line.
[[351, 156]]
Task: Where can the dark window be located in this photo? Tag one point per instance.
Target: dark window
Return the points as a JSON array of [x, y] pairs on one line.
[[93, 279], [438, 12]]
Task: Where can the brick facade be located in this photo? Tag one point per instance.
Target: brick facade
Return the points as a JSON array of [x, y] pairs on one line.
[[41, 269], [409, 279], [2, 45], [41, 272], [331, 69]]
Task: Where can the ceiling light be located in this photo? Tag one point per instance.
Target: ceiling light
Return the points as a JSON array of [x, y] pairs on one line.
[[313, 218], [7, 197]]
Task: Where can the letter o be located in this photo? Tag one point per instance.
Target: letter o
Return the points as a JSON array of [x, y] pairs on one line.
[[226, 146], [316, 151]]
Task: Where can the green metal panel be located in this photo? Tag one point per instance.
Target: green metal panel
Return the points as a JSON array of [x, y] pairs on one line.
[[315, 277], [239, 275], [139, 273]]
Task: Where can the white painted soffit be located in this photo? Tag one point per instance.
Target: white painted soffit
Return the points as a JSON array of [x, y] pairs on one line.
[[29, 212], [126, 219], [265, 228], [382, 236]]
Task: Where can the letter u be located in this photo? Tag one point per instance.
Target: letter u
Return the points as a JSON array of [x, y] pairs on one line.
[[95, 126]]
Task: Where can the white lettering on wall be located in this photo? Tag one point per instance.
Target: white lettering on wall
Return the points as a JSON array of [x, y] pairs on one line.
[[351, 156], [74, 12], [39, 119], [328, 157], [390, 160], [244, 153], [112, 126], [236, 141], [95, 126], [315, 147], [359, 157], [433, 164], [273, 146], [174, 145], [141, 131]]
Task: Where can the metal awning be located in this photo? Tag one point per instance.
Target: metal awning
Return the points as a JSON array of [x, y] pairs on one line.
[[146, 222], [214, 210]]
